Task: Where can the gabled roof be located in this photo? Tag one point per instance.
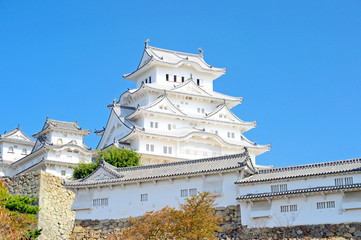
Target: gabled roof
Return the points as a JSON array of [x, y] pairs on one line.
[[304, 171], [186, 133], [153, 55], [161, 105], [55, 125], [231, 117], [189, 86], [166, 170], [231, 101], [17, 135]]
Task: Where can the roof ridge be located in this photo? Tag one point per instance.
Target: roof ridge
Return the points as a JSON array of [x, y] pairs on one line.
[[312, 165], [183, 162], [172, 51]]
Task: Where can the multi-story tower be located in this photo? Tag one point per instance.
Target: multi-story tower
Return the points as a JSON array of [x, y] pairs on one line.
[[174, 114], [58, 147]]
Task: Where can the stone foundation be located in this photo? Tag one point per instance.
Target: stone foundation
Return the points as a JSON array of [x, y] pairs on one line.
[[55, 217], [231, 229]]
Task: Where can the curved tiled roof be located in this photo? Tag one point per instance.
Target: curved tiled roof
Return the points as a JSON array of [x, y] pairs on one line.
[[51, 124], [317, 169], [306, 191], [167, 170]]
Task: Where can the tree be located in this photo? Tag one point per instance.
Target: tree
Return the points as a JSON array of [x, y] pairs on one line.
[[17, 216], [193, 220], [123, 157]]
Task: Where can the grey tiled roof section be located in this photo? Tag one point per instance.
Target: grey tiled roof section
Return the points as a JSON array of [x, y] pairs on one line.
[[274, 174], [169, 170], [61, 125], [300, 191]]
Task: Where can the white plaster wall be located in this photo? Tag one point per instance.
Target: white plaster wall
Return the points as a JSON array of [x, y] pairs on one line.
[[125, 202], [17, 154], [66, 138], [307, 212]]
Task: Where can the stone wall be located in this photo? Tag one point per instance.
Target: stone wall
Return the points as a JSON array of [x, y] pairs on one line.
[[55, 217], [231, 229]]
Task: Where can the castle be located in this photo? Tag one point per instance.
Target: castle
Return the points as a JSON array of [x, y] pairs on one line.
[[190, 141]]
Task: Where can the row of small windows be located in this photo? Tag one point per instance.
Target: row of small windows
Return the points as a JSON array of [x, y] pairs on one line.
[[23, 152], [338, 182], [149, 147], [167, 150], [319, 205], [343, 181], [183, 193], [175, 79]]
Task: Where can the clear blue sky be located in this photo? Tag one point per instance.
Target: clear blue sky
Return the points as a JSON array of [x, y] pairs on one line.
[[297, 64]]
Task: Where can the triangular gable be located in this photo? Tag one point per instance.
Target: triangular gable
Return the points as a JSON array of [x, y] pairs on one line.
[[164, 105], [17, 134], [102, 174], [190, 87], [222, 113], [114, 130]]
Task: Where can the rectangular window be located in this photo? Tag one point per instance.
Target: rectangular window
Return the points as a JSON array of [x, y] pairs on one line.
[[144, 197], [146, 80], [182, 79], [100, 202], [279, 188], [289, 208], [199, 110], [343, 181], [232, 135], [175, 78], [165, 150], [151, 124], [328, 204], [192, 191], [150, 79], [348, 180], [156, 124], [203, 110], [169, 150], [169, 126], [198, 82], [63, 172], [184, 193], [167, 77], [150, 147]]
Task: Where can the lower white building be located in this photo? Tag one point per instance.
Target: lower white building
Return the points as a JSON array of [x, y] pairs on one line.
[[113, 193], [58, 147], [322, 193]]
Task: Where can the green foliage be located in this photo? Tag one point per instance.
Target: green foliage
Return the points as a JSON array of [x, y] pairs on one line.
[[84, 169], [119, 158], [21, 204], [123, 157], [17, 215]]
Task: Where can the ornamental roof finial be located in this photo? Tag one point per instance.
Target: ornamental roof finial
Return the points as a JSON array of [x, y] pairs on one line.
[[200, 52], [18, 125], [115, 99], [76, 121], [146, 43], [191, 77]]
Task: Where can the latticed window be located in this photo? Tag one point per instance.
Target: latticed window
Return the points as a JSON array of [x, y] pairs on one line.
[[289, 208], [100, 202], [193, 191], [343, 181], [279, 188], [348, 180], [327, 204], [144, 197], [184, 193]]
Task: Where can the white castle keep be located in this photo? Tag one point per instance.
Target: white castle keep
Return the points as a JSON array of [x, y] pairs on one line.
[[174, 114]]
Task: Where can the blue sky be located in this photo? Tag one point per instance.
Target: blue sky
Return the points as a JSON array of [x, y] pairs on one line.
[[297, 64]]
